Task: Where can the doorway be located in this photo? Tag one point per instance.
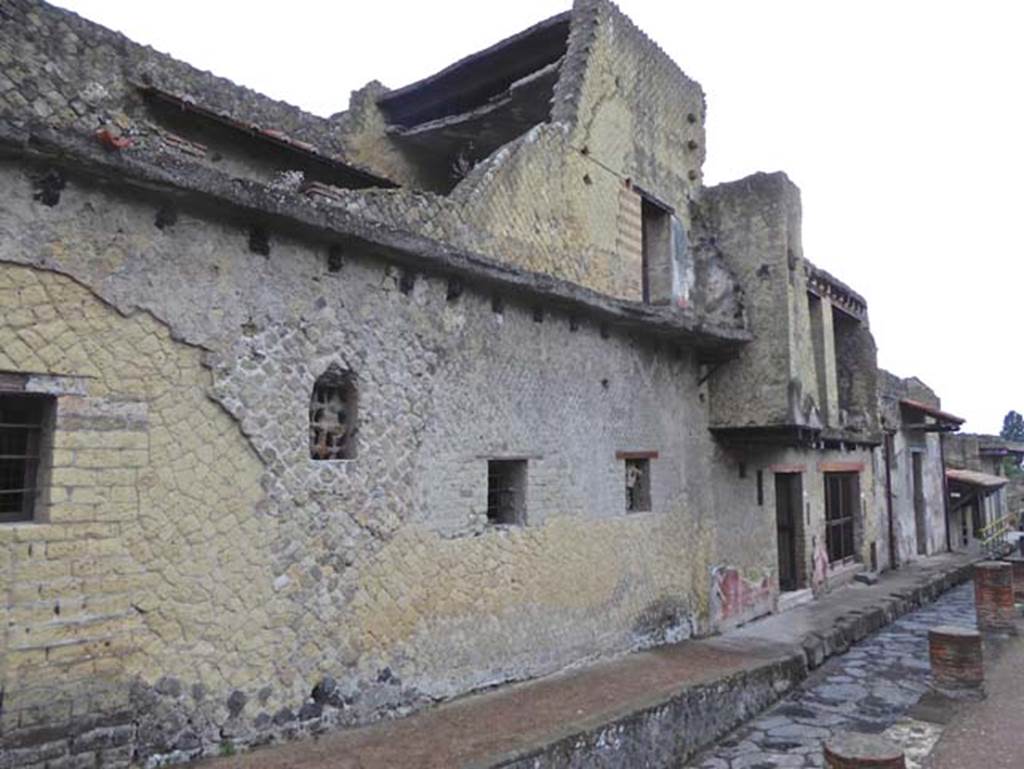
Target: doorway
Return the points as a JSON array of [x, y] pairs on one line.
[[920, 528], [789, 496]]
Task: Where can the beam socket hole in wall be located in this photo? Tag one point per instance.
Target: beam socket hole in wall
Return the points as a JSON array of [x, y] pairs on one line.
[[167, 216], [259, 240], [454, 290], [48, 188], [333, 415], [335, 259], [26, 426], [638, 485], [407, 282], [506, 491]]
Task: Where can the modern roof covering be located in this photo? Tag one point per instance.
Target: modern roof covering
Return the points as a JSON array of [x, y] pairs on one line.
[[975, 478], [932, 411], [474, 80], [1002, 449]]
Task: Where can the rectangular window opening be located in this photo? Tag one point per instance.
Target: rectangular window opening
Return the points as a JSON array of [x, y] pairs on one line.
[[26, 423], [656, 242], [760, 488], [506, 491], [842, 499], [638, 485]]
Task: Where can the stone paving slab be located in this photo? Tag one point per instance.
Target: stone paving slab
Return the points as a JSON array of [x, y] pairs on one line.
[[871, 688], [657, 708]]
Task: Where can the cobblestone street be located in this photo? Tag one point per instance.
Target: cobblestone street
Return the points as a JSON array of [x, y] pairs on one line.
[[868, 689]]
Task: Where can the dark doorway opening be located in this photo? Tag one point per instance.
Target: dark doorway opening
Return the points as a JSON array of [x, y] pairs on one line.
[[920, 528], [789, 528]]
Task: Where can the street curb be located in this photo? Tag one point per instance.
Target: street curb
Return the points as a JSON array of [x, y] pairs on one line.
[[857, 625], [669, 732]]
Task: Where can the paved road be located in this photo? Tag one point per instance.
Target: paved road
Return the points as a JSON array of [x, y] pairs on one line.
[[868, 689]]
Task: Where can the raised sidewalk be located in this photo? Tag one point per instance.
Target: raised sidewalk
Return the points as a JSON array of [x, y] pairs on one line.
[[650, 709]]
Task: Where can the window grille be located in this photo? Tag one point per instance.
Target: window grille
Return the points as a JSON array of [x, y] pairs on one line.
[[23, 443], [506, 491], [842, 498], [333, 415]]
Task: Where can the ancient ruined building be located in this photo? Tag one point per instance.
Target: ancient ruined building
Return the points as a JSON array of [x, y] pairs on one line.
[[306, 422]]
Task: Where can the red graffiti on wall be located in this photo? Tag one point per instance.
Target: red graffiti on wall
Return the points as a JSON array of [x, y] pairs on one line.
[[732, 596]]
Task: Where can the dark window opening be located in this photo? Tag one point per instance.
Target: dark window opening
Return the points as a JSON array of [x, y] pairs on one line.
[[656, 240], [842, 500], [25, 425], [638, 485], [760, 488], [506, 491], [333, 413]]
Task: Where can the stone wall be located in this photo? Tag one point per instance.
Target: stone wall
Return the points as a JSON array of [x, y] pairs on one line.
[[192, 545], [754, 224], [811, 364], [904, 444]]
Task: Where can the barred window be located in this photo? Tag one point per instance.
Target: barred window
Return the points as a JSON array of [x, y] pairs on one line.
[[25, 426], [842, 502], [333, 415], [506, 491]]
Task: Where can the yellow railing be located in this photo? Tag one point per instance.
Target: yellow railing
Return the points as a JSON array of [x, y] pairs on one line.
[[993, 536]]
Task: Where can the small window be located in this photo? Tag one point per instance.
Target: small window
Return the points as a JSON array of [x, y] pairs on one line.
[[333, 415], [638, 485], [506, 491], [25, 425]]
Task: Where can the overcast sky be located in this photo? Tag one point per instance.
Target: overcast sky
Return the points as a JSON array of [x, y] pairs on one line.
[[901, 120]]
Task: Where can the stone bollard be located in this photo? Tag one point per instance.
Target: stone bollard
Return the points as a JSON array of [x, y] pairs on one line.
[[852, 750], [956, 658], [1017, 569], [993, 597]]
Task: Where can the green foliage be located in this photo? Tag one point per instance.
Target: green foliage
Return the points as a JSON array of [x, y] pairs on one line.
[[227, 748], [1013, 427], [1011, 469]]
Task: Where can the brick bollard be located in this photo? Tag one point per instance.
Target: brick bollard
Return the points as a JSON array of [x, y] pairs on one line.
[[956, 658], [993, 597], [1017, 568], [862, 751]]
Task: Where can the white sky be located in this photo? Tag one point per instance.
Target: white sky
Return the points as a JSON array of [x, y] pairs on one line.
[[901, 120]]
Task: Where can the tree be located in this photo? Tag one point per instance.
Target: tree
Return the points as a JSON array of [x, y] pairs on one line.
[[1013, 427], [1013, 430]]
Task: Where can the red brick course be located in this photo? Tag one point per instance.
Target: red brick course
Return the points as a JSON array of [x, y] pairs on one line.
[[956, 657]]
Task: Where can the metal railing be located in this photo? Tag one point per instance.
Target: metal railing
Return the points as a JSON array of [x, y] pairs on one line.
[[993, 536]]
